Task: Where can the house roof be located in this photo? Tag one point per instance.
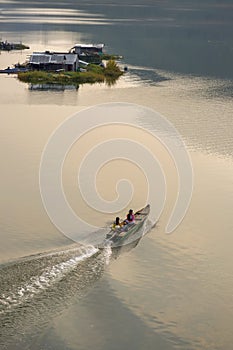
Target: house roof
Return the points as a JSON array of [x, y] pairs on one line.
[[53, 58], [37, 58]]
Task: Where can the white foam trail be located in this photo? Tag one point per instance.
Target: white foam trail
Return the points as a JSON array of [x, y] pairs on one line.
[[107, 253], [50, 276]]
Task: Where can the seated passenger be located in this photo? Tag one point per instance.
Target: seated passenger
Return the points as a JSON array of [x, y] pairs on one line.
[[117, 223], [130, 217]]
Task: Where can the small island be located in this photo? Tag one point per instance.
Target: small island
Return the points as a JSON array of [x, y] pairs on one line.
[[6, 46], [92, 74], [80, 65]]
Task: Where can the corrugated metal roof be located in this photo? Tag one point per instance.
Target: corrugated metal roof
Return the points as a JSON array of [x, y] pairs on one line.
[[71, 58], [39, 58], [57, 58], [53, 58]]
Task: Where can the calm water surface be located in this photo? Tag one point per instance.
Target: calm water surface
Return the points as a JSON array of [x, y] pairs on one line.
[[167, 291]]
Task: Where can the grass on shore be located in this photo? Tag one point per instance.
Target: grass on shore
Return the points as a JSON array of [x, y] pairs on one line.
[[94, 74]]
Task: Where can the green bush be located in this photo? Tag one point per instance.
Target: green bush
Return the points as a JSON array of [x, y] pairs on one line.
[[112, 69]]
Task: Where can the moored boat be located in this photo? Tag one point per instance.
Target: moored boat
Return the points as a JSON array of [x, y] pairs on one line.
[[15, 70]]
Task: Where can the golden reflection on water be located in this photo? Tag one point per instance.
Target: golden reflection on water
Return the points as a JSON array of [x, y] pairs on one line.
[[47, 11], [188, 267], [24, 112], [189, 279], [179, 285], [115, 170]]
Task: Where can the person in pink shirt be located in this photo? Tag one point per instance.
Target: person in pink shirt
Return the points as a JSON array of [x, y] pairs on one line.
[[130, 217]]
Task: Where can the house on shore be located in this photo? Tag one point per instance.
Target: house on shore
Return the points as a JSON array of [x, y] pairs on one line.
[[54, 61], [82, 49], [90, 53]]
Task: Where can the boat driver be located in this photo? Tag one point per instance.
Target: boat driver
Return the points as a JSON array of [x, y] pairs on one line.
[[130, 217]]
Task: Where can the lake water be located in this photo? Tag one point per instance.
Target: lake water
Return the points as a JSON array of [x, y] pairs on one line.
[[167, 291]]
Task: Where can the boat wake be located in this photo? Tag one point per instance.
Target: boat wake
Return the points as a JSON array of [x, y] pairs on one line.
[[19, 294], [149, 76], [36, 289], [107, 252], [149, 225]]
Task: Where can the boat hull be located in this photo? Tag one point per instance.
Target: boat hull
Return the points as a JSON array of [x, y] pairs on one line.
[[13, 70]]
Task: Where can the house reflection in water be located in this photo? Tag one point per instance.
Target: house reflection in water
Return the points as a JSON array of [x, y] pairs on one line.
[[52, 87]]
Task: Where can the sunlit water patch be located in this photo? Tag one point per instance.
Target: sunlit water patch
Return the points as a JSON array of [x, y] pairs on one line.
[[47, 15]]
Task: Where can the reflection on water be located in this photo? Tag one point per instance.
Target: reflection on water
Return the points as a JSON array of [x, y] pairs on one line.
[[48, 15], [171, 292], [49, 87], [44, 12]]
